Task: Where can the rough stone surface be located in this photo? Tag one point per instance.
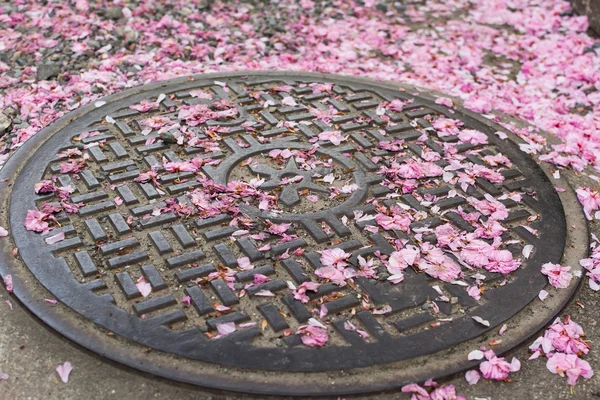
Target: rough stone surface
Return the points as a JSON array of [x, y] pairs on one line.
[[47, 71], [5, 123], [114, 13], [590, 8]]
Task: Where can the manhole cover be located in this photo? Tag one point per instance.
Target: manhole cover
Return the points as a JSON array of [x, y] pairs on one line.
[[276, 232]]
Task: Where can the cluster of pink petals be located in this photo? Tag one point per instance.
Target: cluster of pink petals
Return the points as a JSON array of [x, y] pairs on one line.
[[558, 275], [180, 166], [399, 261], [412, 169], [45, 187], [478, 253], [156, 122], [446, 126], [313, 335], [570, 365], [145, 105], [148, 176], [73, 165], [562, 337], [437, 264], [493, 368], [334, 266], [325, 115], [590, 200], [200, 113], [497, 368], [37, 221], [335, 257], [446, 392], [335, 137], [563, 345], [398, 219], [490, 207], [300, 291], [472, 136], [592, 264]]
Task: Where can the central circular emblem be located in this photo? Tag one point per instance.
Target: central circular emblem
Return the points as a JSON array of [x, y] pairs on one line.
[[295, 181]]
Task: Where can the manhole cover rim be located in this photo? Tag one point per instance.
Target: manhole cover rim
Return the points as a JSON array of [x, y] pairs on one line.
[[59, 321]]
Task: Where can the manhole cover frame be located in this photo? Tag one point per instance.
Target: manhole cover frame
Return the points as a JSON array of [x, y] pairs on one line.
[[73, 326]]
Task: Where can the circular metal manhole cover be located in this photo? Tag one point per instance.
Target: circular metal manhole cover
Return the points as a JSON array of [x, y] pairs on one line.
[[259, 201]]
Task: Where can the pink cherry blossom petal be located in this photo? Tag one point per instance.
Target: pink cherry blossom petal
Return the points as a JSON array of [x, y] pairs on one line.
[[570, 365], [226, 328], [313, 336], [472, 377], [144, 287], [64, 370], [55, 238], [264, 293], [8, 282], [475, 355], [558, 275]]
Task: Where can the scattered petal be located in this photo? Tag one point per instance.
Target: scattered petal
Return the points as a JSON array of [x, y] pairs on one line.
[[475, 355], [472, 377], [64, 371], [226, 328], [481, 321], [55, 238]]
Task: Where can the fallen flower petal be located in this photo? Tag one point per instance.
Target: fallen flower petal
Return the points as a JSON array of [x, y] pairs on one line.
[[313, 336], [226, 328], [35, 221], [472, 377], [64, 371], [497, 368], [144, 287], [590, 200], [559, 276], [187, 300], [571, 365], [264, 293], [55, 238], [444, 101], [481, 321], [8, 282], [475, 355]]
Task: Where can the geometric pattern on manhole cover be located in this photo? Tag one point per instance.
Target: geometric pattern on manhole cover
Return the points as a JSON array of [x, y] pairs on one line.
[[172, 230]]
